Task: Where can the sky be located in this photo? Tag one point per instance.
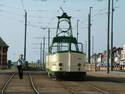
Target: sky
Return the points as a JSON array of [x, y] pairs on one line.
[[43, 14]]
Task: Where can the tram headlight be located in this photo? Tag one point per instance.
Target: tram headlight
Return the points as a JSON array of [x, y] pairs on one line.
[[79, 69], [79, 64], [60, 64]]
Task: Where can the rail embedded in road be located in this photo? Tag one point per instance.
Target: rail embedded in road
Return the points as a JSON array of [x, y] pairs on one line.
[[33, 85], [98, 89], [6, 83]]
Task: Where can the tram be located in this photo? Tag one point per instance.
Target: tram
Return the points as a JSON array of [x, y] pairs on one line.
[[66, 58]]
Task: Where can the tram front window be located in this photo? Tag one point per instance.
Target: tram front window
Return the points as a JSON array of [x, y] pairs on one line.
[[63, 47], [60, 47]]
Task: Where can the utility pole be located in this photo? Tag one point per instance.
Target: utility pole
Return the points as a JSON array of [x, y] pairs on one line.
[[108, 36], [86, 47], [89, 36], [92, 45], [77, 29], [43, 51], [25, 35], [48, 40], [1, 57], [41, 55], [112, 54]]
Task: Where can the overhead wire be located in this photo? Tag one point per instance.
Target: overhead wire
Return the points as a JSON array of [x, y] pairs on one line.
[[7, 6], [23, 5], [9, 12], [53, 18]]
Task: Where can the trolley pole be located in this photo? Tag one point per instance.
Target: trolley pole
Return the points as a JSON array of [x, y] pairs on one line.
[[108, 36], [25, 36], [112, 54], [89, 36]]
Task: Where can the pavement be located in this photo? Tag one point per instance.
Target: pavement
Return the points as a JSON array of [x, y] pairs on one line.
[[110, 74], [7, 70]]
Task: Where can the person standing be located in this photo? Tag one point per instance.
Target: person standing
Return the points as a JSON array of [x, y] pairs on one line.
[[20, 65]]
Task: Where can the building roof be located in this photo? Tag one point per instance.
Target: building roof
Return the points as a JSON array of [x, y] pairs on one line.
[[2, 43]]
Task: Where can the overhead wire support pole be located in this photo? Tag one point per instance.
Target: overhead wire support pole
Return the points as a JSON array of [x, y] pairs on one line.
[[108, 36], [92, 45], [48, 40], [43, 51], [1, 62], [41, 55], [89, 36], [25, 35], [112, 54], [77, 29]]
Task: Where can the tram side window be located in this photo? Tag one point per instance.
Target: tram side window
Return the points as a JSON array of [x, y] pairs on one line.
[[74, 47], [80, 46], [77, 47], [54, 48]]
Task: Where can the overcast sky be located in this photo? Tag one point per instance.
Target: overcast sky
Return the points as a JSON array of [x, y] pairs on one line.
[[42, 13]]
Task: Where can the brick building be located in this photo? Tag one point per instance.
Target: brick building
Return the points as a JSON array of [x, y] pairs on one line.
[[3, 54]]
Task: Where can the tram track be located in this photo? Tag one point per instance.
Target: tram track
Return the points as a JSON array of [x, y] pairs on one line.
[[75, 87], [40, 84], [46, 85], [33, 85], [108, 87], [98, 89], [6, 83], [3, 77], [49, 86], [14, 85]]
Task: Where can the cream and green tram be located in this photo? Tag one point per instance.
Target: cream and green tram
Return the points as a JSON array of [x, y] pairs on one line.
[[66, 59]]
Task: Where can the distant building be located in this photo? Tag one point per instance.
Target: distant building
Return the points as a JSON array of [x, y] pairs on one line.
[[101, 59], [3, 54], [117, 55], [123, 56]]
